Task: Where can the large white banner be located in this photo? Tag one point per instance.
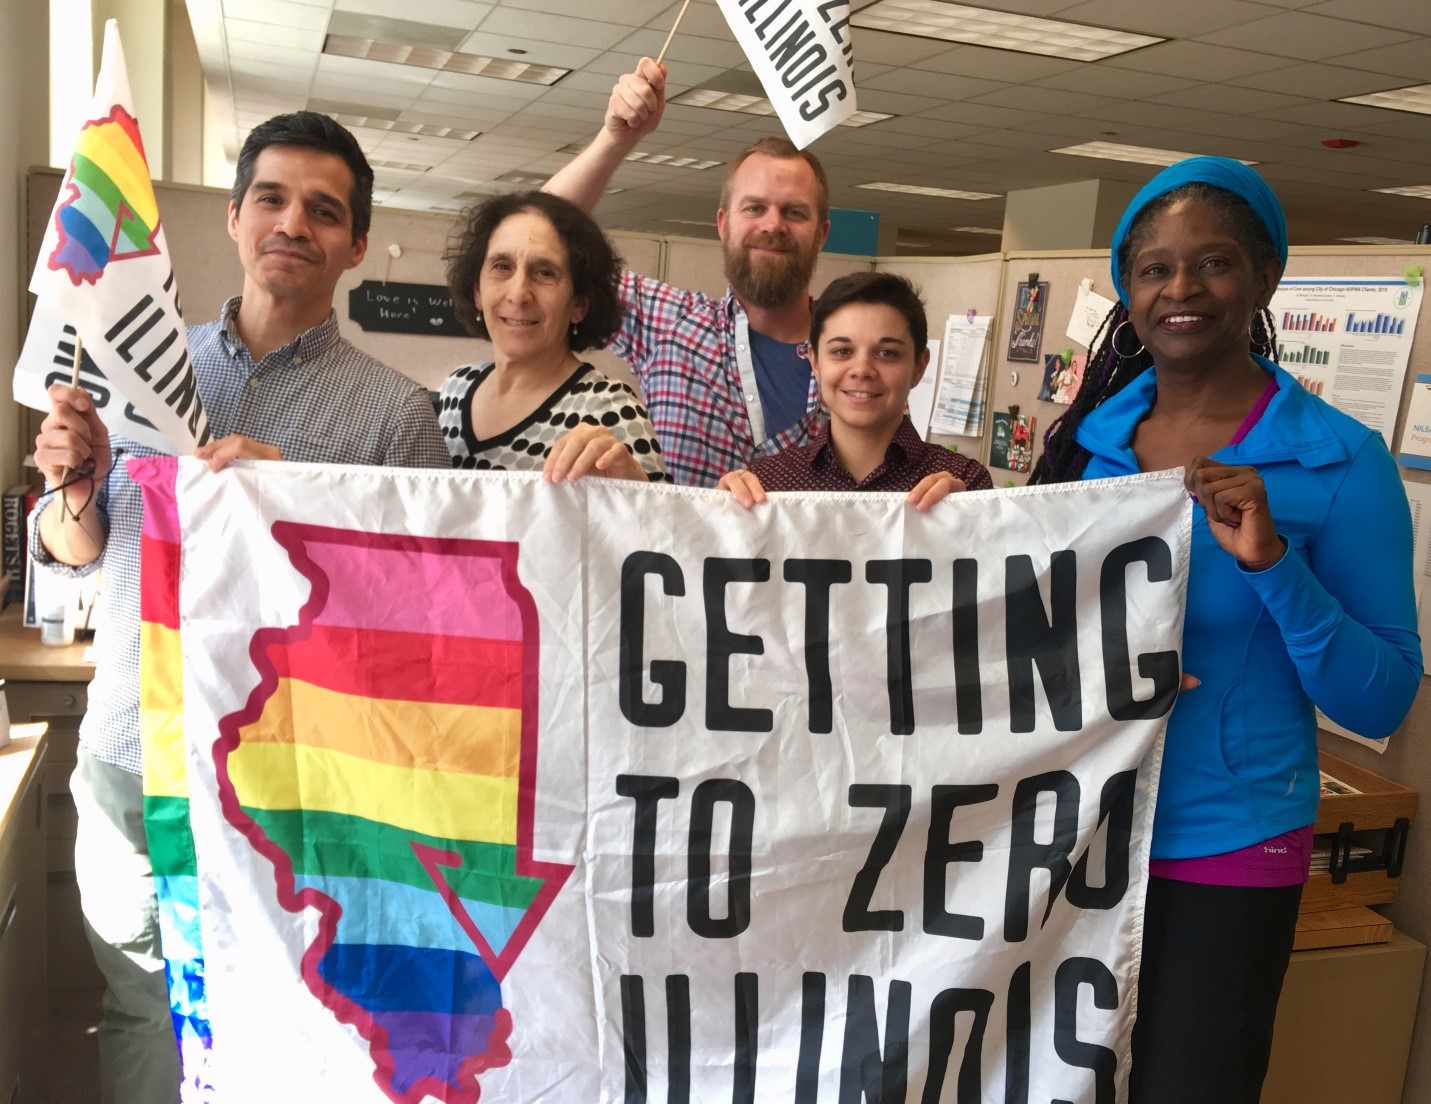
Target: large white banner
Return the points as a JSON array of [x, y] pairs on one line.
[[613, 793]]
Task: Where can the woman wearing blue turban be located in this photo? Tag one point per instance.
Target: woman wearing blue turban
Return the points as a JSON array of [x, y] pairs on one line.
[[1300, 594]]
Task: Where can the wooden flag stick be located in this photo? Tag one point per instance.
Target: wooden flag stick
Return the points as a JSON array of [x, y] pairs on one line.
[[75, 368], [666, 45]]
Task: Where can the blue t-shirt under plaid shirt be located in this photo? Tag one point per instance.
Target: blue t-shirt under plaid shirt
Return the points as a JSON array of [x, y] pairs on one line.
[[783, 376], [318, 399]]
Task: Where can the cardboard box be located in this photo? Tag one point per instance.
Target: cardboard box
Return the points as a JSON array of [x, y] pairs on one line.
[[1344, 1025]]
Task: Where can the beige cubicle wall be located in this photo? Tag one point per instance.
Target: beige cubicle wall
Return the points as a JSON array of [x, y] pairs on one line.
[[1017, 382], [953, 286]]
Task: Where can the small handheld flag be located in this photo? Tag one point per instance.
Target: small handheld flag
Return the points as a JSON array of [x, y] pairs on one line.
[[108, 312]]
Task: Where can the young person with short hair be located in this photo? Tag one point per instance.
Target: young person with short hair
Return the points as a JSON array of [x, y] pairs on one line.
[[869, 346]]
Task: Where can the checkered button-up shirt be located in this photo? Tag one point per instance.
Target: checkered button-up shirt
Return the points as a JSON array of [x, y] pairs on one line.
[[318, 399], [691, 354]]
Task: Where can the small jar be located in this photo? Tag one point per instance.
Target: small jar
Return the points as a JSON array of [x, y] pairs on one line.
[[57, 624]]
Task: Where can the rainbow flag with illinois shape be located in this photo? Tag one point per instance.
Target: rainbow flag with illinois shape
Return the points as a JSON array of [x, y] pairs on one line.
[[103, 276], [385, 767]]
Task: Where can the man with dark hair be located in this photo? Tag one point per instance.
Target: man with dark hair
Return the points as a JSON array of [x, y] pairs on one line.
[[724, 380], [278, 382], [310, 130]]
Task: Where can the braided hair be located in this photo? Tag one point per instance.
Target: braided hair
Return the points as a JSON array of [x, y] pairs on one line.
[[1112, 364]]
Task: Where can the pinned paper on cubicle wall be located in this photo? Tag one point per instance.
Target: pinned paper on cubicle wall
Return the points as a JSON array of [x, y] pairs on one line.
[[959, 392], [1089, 311], [1416, 437], [921, 395]]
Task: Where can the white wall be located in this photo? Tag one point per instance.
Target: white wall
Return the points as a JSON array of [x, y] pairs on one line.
[[24, 140]]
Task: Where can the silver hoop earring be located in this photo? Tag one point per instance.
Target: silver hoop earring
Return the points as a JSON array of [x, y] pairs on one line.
[[1113, 341]]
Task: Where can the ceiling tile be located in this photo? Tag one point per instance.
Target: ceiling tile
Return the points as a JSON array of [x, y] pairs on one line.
[[1300, 35], [642, 10], [448, 13], [280, 13], [1032, 98], [893, 49], [1319, 81], [1227, 99], [1407, 59], [999, 65], [1401, 15], [703, 18], [1198, 60], [723, 52], [1252, 129], [1167, 20], [532, 26], [246, 33], [1335, 115], [538, 51]]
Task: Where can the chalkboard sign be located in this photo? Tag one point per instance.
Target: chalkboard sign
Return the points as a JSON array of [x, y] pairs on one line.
[[404, 309]]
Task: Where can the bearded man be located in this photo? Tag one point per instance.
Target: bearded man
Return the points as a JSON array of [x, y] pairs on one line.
[[725, 380]]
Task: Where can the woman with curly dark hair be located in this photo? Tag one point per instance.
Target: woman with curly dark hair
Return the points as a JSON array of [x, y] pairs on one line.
[[1299, 595], [535, 275]]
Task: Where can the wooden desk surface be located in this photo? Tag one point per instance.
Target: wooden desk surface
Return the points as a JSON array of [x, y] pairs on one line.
[[24, 658], [19, 760]]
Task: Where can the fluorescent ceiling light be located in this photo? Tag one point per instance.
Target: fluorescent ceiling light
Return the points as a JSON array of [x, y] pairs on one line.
[[1417, 98], [689, 222], [372, 123], [525, 180], [399, 166], [995, 230], [915, 189], [671, 160], [758, 105], [449, 61], [1415, 191], [1114, 151], [1377, 241], [999, 30]]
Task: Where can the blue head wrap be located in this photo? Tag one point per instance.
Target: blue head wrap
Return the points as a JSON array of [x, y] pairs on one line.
[[1220, 172]]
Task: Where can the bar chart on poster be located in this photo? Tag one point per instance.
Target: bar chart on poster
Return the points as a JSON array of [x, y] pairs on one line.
[[1348, 340]]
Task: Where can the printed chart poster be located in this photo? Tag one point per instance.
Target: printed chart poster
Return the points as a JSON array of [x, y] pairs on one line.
[[1030, 311], [610, 793], [1349, 341]]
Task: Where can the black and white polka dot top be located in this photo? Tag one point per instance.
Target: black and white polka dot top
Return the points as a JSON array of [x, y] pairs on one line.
[[586, 396]]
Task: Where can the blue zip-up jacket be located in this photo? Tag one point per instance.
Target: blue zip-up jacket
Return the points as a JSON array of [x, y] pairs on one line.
[[1332, 623]]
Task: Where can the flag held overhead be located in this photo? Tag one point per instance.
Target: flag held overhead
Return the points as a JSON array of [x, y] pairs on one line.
[[801, 51], [104, 282]]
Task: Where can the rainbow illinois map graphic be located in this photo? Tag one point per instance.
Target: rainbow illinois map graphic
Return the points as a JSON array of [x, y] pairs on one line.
[[386, 766]]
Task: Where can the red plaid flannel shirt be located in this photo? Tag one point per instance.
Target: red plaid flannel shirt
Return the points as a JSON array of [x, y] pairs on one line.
[[683, 347]]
